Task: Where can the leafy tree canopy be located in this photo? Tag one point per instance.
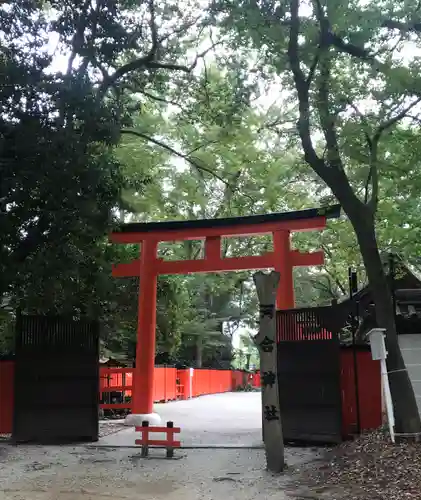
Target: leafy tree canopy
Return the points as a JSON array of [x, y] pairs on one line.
[[114, 110]]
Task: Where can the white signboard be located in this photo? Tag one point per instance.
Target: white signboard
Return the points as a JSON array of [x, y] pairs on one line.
[[378, 348], [379, 353]]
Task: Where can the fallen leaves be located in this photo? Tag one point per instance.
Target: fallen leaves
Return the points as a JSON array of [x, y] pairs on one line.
[[370, 468]]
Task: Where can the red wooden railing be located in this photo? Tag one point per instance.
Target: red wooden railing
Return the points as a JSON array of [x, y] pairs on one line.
[[7, 373], [165, 384], [115, 380], [170, 384]]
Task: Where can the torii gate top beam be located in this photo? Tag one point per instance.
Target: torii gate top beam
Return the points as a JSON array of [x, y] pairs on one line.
[[301, 220]]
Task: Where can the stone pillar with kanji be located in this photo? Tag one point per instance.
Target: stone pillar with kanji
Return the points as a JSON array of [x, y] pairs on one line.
[[267, 285]]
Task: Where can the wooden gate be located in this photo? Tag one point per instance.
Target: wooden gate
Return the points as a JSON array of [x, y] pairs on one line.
[[309, 374], [56, 380]]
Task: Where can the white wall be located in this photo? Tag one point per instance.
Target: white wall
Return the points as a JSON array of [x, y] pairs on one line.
[[410, 345]]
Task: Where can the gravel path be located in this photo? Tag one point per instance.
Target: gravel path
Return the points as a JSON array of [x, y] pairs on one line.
[[232, 418], [107, 427], [93, 473], [86, 473]]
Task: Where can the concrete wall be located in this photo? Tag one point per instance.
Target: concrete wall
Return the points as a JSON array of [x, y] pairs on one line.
[[410, 345]]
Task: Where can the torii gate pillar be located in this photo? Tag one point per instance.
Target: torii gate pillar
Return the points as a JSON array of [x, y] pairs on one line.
[[143, 373], [284, 266]]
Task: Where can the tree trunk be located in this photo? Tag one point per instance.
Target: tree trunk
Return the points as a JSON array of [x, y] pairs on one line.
[[248, 356], [199, 351], [404, 402]]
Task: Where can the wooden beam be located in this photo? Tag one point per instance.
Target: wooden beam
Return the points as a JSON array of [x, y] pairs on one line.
[[201, 233], [214, 263], [213, 248], [265, 261], [126, 269], [307, 259]]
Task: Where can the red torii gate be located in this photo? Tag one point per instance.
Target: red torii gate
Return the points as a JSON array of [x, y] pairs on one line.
[[283, 259]]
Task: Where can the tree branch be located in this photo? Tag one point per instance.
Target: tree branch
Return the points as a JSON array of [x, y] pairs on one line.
[[152, 24], [326, 120], [335, 178], [373, 142], [327, 251], [90, 57], [78, 37], [373, 176], [319, 285], [351, 49], [275, 123], [416, 119], [157, 98], [208, 143], [302, 87], [148, 62], [394, 119], [182, 29], [313, 67], [360, 52], [414, 27], [193, 162], [145, 62]]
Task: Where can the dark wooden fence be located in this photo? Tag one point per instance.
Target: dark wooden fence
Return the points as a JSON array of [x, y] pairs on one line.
[[56, 380], [317, 384]]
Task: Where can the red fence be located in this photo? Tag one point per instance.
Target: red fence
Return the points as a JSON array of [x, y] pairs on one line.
[[165, 384], [369, 391], [115, 388], [7, 373], [211, 381], [170, 384]]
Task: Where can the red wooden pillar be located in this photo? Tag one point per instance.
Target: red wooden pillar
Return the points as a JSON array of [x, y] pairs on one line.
[[145, 349], [284, 265]]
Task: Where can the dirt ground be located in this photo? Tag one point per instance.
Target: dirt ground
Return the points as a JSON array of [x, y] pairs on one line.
[[112, 470], [368, 468], [87, 473]]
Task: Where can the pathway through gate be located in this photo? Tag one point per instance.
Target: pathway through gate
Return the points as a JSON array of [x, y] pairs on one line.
[[231, 419]]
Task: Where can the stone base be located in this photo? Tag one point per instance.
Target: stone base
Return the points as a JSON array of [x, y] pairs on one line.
[[136, 419]]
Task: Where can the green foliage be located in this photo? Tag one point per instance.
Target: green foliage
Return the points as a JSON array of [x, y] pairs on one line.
[[61, 180], [7, 323], [351, 91], [130, 128], [246, 356]]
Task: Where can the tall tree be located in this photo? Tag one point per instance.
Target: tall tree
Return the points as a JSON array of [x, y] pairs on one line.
[[348, 90], [60, 180]]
